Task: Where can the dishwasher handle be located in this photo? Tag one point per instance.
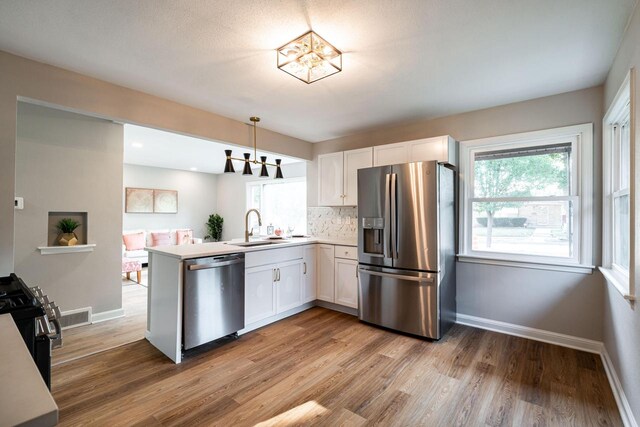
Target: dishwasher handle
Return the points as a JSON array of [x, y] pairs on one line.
[[193, 267]]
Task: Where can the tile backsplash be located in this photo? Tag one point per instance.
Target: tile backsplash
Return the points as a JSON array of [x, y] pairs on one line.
[[335, 223]]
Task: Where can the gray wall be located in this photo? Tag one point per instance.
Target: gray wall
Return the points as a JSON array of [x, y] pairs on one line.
[[70, 162], [196, 198], [622, 318], [26, 79], [566, 303], [232, 200]]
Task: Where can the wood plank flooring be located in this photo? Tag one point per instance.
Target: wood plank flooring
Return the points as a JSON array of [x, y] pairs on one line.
[[85, 340], [325, 368]]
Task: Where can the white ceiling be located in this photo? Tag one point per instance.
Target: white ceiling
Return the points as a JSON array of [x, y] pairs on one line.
[[404, 59], [151, 147]]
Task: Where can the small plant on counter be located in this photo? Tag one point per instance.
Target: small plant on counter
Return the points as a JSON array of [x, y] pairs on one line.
[[67, 226], [214, 227]]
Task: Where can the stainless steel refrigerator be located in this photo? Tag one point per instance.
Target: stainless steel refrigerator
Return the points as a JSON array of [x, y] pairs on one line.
[[406, 247]]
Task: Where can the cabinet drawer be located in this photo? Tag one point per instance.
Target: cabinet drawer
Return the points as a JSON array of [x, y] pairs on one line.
[[272, 256], [347, 252]]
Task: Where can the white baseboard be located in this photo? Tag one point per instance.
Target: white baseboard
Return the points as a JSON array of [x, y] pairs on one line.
[[563, 340], [107, 315], [618, 392]]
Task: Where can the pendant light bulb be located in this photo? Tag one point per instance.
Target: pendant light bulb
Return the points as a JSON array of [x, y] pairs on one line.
[[278, 169]]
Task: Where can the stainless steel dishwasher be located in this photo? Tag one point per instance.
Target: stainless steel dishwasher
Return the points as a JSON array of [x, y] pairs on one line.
[[213, 299]]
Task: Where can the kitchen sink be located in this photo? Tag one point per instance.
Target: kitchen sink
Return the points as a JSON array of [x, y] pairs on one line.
[[257, 243]]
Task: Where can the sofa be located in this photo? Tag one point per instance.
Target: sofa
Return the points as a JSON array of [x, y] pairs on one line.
[[134, 241]]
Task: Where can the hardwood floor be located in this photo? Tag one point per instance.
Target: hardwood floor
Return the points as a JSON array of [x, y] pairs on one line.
[[84, 340], [326, 368]]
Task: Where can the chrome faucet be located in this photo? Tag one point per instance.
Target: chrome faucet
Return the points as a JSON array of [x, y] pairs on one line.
[[248, 233]]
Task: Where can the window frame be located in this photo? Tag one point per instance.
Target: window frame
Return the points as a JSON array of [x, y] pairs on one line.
[[262, 182], [621, 110], [581, 138]]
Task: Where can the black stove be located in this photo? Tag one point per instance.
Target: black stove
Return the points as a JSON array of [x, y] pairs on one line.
[[16, 298], [29, 313]]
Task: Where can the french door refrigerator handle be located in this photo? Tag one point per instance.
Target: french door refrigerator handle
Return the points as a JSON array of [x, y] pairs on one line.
[[394, 218], [387, 222]]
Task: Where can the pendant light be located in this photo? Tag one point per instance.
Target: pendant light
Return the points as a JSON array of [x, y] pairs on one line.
[[264, 173]]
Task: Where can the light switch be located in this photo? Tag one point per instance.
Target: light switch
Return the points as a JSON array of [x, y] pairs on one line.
[[19, 203]]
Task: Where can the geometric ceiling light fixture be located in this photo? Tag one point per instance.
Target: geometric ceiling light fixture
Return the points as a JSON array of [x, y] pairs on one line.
[[309, 58], [228, 166]]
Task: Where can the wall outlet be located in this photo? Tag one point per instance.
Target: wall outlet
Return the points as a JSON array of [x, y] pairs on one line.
[[18, 203]]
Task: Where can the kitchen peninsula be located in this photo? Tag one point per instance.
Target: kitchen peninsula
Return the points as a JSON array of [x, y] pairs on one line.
[[281, 278]]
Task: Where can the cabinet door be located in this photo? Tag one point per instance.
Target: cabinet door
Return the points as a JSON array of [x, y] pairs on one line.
[[390, 154], [440, 148], [259, 293], [309, 273], [325, 273], [330, 179], [346, 280], [354, 160], [423, 150], [288, 285]]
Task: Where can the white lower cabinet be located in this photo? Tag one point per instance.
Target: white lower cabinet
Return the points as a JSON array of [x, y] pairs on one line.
[[325, 265], [276, 282], [288, 284], [259, 293], [309, 273], [346, 282], [275, 287]]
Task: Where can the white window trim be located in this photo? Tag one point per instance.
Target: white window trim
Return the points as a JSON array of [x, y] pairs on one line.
[[623, 283], [262, 182], [582, 149]]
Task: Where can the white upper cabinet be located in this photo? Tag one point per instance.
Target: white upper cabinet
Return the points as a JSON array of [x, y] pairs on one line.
[[390, 154], [354, 160], [331, 179], [338, 176], [440, 148]]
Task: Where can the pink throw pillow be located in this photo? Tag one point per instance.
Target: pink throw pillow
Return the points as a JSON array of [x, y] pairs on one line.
[[160, 239], [134, 241], [184, 237]]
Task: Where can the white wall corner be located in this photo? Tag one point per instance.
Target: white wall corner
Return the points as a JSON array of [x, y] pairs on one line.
[[107, 315]]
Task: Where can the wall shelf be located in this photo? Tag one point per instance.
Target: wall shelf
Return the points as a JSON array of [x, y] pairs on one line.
[[54, 250]]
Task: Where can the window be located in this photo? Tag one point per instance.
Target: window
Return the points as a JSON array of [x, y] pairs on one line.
[[524, 199], [282, 203], [617, 197]]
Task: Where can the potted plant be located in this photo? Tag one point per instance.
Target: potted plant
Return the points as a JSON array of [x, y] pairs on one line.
[[67, 227], [214, 227]]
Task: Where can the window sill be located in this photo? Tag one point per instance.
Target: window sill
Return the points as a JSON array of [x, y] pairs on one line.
[[568, 268], [619, 282]]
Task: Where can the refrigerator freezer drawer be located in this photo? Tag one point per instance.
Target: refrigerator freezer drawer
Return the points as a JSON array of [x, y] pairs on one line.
[[405, 301]]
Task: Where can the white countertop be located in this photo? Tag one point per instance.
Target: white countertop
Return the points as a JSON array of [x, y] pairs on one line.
[[220, 248], [24, 397]]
